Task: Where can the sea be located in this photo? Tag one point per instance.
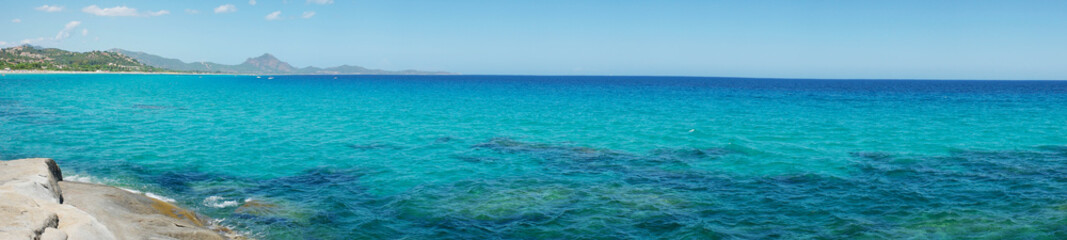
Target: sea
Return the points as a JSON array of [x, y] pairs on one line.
[[562, 157]]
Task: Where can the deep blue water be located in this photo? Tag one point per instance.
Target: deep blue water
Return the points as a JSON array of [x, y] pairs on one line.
[[541, 157]]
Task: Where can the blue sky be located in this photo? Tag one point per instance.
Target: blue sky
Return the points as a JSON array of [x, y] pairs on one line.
[[789, 39]]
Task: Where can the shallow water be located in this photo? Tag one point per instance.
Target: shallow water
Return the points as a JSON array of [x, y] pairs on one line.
[[477, 157]]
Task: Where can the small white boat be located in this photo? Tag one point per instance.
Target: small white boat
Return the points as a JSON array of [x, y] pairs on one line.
[[258, 77], [269, 78]]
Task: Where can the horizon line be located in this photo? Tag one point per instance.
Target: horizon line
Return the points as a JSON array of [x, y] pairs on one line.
[[28, 72], [492, 74]]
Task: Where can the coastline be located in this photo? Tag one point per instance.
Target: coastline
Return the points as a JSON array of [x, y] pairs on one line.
[[87, 72], [30, 72], [38, 204]]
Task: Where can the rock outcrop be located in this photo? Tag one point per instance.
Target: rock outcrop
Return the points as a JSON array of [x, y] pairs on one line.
[[118, 208], [36, 177], [35, 203]]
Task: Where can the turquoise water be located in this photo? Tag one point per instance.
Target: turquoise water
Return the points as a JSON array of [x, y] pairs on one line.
[[486, 157]]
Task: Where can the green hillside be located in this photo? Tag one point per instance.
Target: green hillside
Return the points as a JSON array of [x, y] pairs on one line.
[[28, 57]]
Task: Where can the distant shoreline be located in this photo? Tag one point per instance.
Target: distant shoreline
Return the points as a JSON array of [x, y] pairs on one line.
[[94, 72], [194, 73], [518, 75]]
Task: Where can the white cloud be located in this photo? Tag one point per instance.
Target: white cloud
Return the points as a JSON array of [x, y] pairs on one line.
[[157, 13], [321, 2], [308, 14], [16, 20], [274, 15], [121, 11], [192, 11], [65, 33], [252, 2], [47, 8], [226, 8]]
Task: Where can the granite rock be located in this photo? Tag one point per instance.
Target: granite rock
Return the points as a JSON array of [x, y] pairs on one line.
[[35, 203]]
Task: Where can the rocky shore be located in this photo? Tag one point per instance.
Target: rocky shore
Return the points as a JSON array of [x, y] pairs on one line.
[[35, 203]]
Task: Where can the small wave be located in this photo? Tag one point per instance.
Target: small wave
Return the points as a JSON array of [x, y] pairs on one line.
[[151, 195], [105, 181], [86, 179], [219, 202], [220, 226]]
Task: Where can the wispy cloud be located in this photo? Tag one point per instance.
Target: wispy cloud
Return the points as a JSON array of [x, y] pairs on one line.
[[321, 2], [16, 20], [192, 11], [48, 8], [252, 2], [274, 15], [65, 33], [158, 13], [228, 8], [308, 14], [121, 11]]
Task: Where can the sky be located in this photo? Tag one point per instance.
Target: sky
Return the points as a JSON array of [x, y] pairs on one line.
[[901, 39]]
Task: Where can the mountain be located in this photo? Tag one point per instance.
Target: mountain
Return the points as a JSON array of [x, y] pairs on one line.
[[27, 57], [170, 63], [267, 64], [264, 64]]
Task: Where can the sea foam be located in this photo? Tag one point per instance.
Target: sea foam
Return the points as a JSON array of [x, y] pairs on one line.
[[219, 202]]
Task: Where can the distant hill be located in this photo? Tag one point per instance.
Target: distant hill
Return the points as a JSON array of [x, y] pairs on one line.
[[264, 64], [27, 57], [267, 64], [170, 63]]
